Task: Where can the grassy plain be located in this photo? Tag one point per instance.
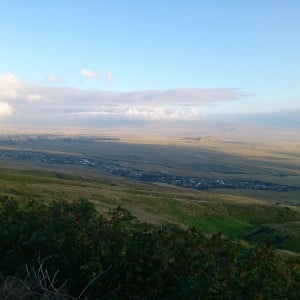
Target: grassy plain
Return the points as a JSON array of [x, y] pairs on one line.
[[273, 161], [252, 215]]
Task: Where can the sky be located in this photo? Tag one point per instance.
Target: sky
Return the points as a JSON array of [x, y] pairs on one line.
[[84, 62]]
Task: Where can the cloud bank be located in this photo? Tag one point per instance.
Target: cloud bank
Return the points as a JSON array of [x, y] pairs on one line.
[[25, 102]]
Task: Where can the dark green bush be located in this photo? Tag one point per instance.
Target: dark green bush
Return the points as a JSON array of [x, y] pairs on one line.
[[119, 258]]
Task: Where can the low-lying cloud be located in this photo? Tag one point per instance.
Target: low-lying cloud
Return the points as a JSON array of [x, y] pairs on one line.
[[138, 112], [24, 101]]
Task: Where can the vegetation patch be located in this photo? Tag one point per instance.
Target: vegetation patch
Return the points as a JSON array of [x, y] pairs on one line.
[[67, 250], [206, 222], [282, 236]]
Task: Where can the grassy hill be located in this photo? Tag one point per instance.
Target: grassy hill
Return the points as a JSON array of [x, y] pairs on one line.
[[209, 211]]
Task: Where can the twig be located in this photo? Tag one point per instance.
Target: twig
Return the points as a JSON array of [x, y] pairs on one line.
[[92, 281]]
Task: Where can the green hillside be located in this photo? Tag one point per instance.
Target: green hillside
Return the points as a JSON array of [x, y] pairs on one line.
[[209, 211]]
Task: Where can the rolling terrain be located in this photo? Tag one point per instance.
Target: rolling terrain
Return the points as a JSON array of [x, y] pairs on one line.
[[100, 170]]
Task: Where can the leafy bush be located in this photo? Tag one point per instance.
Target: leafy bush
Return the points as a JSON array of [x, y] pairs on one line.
[[91, 256]]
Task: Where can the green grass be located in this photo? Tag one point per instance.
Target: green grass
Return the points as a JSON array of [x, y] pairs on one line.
[[259, 214], [206, 222], [282, 236]]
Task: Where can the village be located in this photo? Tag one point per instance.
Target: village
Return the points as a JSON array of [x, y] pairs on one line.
[[138, 175]]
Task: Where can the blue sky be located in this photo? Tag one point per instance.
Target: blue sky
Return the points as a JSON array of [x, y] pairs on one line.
[[248, 49]]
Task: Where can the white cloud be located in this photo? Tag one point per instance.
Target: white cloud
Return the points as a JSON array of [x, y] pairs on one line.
[[5, 109], [139, 112], [53, 78], [43, 103], [109, 77], [10, 86], [162, 113], [56, 105], [34, 98], [138, 105], [185, 97], [87, 73]]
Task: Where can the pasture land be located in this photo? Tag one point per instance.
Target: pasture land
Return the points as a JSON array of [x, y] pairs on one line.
[[250, 214]]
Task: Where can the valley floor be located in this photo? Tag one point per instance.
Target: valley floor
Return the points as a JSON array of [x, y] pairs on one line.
[[210, 185]]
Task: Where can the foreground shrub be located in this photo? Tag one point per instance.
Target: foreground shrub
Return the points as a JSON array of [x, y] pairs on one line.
[[116, 257]]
